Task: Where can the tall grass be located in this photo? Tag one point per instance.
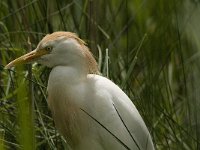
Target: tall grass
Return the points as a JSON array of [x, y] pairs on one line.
[[149, 48]]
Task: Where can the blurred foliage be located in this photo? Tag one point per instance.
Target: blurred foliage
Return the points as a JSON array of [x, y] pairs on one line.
[[153, 51]]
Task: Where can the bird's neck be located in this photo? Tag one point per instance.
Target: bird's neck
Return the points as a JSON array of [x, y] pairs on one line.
[[62, 85], [67, 74], [64, 93]]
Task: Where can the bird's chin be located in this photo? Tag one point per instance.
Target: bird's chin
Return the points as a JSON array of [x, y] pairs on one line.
[[45, 62]]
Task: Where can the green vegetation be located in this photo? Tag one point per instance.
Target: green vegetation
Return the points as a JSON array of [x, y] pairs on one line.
[[153, 53]]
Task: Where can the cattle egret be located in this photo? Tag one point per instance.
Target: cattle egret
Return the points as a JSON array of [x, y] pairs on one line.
[[89, 110]]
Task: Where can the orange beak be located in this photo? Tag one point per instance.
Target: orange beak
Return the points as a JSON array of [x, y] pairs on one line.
[[29, 57]]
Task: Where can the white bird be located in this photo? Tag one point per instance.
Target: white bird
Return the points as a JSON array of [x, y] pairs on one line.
[[89, 110]]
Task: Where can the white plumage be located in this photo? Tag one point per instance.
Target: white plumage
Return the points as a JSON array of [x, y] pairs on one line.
[[89, 110]]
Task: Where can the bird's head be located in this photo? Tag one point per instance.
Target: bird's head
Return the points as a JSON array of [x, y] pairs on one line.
[[60, 49]]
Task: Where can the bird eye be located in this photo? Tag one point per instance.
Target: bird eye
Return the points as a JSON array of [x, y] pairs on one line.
[[49, 48]]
